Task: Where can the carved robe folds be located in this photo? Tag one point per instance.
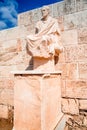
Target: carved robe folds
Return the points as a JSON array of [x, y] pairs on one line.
[[47, 41]]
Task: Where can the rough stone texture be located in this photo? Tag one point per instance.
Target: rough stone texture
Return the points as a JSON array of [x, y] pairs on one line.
[[74, 20], [58, 9], [83, 104], [70, 106], [63, 88], [69, 6], [76, 89], [74, 123], [6, 97], [76, 53], [5, 124], [69, 70], [82, 35], [81, 5], [3, 111], [83, 70]]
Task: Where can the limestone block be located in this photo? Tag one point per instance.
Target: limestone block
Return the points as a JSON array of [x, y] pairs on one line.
[[13, 33], [8, 51], [76, 89], [63, 88], [3, 111], [81, 5], [9, 44], [84, 4], [71, 53], [69, 70], [82, 18], [70, 37], [70, 21], [82, 35], [57, 9], [75, 53], [83, 70], [25, 18], [61, 57], [70, 106], [13, 52], [82, 49], [5, 71], [6, 97], [3, 34], [75, 20], [9, 34], [36, 14], [5, 57], [7, 83], [83, 104], [22, 31], [69, 1], [69, 6], [30, 29]]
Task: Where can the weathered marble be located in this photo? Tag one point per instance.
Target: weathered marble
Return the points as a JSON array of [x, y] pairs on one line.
[[37, 100]]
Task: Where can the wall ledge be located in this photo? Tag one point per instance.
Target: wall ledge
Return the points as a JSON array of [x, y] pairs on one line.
[[35, 72]]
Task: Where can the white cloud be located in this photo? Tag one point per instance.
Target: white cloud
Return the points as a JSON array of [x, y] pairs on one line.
[[8, 13], [5, 13], [3, 25]]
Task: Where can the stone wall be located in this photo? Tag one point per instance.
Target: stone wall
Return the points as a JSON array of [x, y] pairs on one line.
[[72, 18]]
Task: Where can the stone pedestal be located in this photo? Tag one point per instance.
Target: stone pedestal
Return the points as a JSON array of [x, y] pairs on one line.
[[43, 64], [37, 100]]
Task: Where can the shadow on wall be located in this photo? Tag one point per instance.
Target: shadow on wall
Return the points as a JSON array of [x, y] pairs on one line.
[[5, 124], [30, 66]]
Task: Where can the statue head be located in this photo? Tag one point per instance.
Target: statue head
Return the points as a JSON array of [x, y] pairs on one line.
[[45, 11]]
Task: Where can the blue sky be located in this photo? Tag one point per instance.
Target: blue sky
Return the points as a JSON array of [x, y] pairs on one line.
[[9, 10]]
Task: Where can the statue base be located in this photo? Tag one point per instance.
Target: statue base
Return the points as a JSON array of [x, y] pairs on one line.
[[44, 64], [37, 100]]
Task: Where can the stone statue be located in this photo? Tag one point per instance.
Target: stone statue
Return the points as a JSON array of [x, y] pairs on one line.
[[45, 42]]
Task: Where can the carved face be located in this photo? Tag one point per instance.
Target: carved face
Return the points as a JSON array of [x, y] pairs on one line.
[[45, 12]]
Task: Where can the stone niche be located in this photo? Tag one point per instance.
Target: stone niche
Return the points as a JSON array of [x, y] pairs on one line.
[[37, 100]]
